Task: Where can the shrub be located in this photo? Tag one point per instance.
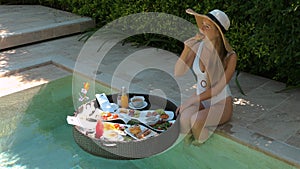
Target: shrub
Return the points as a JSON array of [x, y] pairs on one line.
[[265, 35]]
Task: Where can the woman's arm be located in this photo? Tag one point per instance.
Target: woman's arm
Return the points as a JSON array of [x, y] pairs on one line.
[[187, 56], [184, 62]]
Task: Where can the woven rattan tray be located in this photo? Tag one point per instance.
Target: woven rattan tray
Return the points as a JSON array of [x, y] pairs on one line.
[[133, 149]]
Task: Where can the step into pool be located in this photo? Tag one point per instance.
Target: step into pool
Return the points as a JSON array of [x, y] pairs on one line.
[[34, 134]]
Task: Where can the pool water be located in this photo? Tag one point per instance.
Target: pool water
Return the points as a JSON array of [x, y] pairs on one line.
[[34, 134]]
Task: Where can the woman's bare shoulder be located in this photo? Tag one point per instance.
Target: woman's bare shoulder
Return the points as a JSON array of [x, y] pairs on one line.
[[232, 53], [230, 59], [231, 56]]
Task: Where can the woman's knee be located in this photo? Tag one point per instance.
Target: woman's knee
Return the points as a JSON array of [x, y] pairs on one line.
[[187, 113], [185, 118]]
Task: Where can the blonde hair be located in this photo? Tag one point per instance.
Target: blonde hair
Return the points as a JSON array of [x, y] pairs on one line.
[[216, 64]]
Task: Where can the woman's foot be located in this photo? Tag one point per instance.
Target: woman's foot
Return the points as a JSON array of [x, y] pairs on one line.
[[196, 142], [188, 139]]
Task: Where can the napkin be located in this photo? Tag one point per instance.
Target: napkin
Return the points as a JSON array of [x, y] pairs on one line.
[[73, 121], [104, 103]]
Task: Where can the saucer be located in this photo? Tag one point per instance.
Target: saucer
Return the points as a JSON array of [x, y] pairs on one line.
[[145, 104]]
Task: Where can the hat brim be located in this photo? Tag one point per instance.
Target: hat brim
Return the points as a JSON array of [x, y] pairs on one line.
[[200, 17]]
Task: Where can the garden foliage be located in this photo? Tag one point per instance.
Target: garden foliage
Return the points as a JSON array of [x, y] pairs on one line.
[[265, 34]]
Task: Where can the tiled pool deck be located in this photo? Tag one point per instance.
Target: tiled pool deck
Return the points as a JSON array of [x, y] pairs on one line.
[[263, 119]]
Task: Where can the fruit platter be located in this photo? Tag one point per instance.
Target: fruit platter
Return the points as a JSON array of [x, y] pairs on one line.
[[126, 133]]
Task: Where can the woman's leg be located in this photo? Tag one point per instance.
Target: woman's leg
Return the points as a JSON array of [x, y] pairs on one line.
[[185, 119], [185, 123], [218, 113]]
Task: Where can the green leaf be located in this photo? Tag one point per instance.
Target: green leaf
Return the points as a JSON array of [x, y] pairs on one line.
[[238, 83]]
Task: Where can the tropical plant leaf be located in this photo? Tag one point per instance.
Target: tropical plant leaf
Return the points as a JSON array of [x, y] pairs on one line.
[[238, 83]]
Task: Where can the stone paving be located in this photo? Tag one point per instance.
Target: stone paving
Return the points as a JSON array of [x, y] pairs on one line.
[[263, 119], [37, 23]]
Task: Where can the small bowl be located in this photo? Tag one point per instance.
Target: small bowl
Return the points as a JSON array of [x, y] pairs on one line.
[[112, 135], [137, 101]]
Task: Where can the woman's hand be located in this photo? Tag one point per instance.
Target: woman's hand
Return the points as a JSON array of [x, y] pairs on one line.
[[187, 56], [189, 102], [193, 42]]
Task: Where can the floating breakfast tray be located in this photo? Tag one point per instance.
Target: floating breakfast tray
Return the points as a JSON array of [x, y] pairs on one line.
[[157, 141]]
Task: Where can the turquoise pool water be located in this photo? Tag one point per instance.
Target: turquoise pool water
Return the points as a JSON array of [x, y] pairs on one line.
[[34, 134]]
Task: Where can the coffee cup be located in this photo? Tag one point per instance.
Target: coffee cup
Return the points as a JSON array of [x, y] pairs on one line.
[[137, 101]]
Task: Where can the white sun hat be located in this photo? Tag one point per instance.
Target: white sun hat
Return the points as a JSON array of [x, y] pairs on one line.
[[219, 18]]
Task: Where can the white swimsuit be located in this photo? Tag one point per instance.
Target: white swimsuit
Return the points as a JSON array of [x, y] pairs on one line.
[[202, 82]]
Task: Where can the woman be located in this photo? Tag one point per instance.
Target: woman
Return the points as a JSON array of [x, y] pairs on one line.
[[213, 62]]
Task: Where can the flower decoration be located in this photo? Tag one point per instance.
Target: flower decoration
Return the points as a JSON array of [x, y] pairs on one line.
[[86, 86], [83, 93]]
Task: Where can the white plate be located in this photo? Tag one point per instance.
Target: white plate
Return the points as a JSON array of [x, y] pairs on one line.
[[85, 123], [145, 104], [110, 118], [144, 114], [172, 122], [143, 128]]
